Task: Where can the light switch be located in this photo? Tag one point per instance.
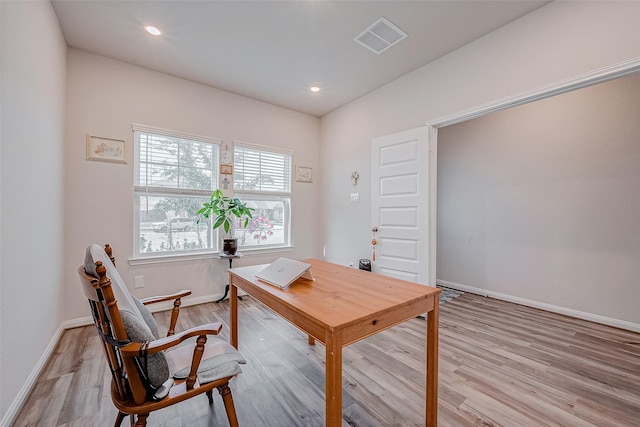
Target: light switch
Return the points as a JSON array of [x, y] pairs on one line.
[[355, 197]]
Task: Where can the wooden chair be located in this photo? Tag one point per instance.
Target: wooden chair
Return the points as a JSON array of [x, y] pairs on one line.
[[140, 361]]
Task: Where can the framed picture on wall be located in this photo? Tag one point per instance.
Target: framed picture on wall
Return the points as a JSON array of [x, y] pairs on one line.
[[105, 149], [303, 174]]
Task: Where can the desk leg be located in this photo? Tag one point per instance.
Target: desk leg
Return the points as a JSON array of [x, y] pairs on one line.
[[432, 365], [334, 380], [234, 314]]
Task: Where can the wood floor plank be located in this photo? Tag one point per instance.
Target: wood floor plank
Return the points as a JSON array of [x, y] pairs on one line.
[[501, 364]]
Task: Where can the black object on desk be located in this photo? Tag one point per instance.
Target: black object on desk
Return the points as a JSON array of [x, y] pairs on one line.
[[230, 258]]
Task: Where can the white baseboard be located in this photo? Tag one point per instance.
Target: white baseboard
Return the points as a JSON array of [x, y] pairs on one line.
[[617, 323], [76, 323], [12, 412]]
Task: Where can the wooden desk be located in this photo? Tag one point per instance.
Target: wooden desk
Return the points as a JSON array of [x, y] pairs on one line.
[[344, 305]]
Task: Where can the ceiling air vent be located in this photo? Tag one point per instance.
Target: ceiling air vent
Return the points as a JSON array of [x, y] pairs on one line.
[[380, 36]]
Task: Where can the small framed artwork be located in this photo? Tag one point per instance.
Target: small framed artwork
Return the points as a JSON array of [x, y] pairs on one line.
[[226, 169], [104, 149], [303, 174]]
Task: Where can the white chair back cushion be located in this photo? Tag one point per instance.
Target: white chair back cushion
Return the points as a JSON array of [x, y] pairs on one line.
[[140, 327], [120, 291]]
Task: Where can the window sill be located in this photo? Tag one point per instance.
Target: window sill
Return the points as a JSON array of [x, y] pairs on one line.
[[159, 259]]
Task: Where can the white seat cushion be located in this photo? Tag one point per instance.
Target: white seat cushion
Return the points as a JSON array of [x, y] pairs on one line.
[[220, 359]]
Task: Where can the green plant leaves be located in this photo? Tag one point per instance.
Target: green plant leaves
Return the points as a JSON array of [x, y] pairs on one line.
[[225, 210]]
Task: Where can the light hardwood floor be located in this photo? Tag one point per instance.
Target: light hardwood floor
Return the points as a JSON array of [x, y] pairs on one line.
[[501, 364]]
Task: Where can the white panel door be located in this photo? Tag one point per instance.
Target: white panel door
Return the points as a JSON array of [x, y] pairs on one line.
[[400, 204]]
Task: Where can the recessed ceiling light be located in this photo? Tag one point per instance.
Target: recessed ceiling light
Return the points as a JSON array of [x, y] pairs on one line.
[[153, 30], [314, 89]]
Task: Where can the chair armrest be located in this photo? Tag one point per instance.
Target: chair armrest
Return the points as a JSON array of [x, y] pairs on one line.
[[173, 340], [177, 302], [161, 298], [133, 349]]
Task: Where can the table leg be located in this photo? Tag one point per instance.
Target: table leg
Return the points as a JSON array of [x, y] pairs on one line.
[[333, 381], [432, 366], [234, 314], [311, 340]]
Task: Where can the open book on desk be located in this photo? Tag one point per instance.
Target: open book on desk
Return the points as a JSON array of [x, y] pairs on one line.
[[283, 272]]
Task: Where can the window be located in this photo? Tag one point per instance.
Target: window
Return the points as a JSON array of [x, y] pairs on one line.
[[174, 174], [262, 178]]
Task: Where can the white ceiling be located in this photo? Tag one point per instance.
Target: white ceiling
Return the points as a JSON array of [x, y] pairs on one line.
[[274, 51]]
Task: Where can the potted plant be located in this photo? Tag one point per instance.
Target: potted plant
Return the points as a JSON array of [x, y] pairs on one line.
[[226, 212]]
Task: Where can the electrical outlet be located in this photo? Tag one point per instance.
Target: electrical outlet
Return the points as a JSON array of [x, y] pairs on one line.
[[138, 282]]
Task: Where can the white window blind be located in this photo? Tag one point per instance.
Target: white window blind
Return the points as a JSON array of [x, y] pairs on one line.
[[169, 163], [261, 170]]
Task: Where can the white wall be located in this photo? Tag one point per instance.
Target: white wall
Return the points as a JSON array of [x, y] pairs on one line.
[[556, 42], [104, 98], [31, 233], [540, 201]]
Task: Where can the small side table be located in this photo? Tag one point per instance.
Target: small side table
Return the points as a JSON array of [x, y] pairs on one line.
[[230, 258]]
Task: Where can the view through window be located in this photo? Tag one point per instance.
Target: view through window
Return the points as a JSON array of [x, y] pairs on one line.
[[262, 178], [176, 173]]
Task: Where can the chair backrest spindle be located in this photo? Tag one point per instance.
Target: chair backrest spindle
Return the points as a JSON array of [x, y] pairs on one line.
[[95, 289], [112, 331]]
